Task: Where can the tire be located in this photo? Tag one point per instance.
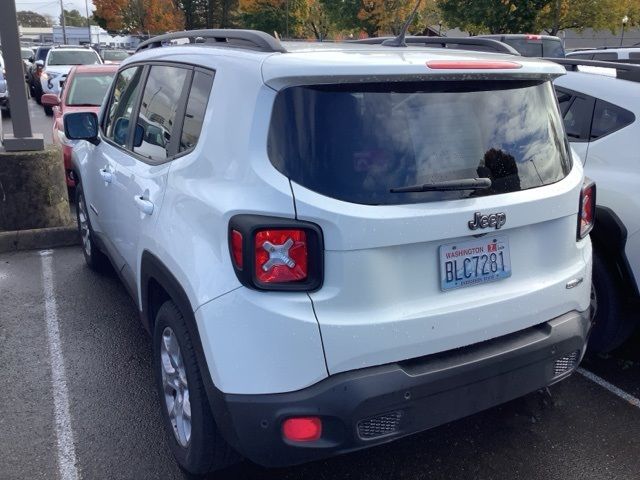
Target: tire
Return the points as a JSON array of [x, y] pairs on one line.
[[202, 450], [48, 111], [613, 325], [93, 256]]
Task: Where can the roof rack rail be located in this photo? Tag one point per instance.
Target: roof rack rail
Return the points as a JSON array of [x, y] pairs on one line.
[[624, 71], [249, 39], [488, 44]]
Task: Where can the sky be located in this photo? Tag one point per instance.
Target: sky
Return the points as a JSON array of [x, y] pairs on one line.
[[52, 7]]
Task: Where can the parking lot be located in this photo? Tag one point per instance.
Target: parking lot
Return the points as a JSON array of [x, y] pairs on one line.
[[577, 430], [80, 399]]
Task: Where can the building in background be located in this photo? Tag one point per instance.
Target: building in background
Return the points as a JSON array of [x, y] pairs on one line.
[[99, 36]]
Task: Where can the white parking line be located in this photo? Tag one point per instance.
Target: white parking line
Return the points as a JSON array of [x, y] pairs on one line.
[[612, 388], [64, 434]]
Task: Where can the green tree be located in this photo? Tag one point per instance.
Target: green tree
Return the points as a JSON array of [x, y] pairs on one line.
[[31, 19], [493, 16], [579, 14], [73, 18]]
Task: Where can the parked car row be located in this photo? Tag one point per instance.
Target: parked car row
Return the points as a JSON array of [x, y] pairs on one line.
[[337, 245]]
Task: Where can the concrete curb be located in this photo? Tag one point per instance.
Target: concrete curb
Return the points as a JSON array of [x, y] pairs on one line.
[[39, 238]]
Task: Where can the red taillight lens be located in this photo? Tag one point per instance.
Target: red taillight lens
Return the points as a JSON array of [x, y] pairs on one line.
[[587, 210], [534, 37], [302, 429], [280, 256], [236, 248]]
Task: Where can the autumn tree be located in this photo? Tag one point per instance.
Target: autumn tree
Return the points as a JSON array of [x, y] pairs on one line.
[[152, 16], [493, 16], [27, 18]]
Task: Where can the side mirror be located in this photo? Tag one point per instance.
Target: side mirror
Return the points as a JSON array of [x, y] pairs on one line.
[[50, 100], [40, 63], [81, 126], [31, 59]]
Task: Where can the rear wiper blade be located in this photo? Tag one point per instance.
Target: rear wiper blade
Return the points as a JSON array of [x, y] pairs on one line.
[[447, 186]]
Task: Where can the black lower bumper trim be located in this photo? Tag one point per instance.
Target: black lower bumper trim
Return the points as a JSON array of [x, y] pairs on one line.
[[375, 405]]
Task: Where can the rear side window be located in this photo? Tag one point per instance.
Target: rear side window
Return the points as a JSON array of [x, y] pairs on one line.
[[357, 142], [158, 111], [196, 107], [605, 56], [607, 118], [123, 97], [634, 56], [584, 56]]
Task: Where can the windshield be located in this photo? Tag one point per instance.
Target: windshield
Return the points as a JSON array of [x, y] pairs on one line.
[[357, 142], [89, 89], [41, 53], [546, 47], [116, 55], [73, 57], [26, 53]]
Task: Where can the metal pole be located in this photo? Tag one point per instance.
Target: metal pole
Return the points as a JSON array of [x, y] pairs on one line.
[[86, 6], [63, 22], [287, 19], [22, 138], [622, 36]]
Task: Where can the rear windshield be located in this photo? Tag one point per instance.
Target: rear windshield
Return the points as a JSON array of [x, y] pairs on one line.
[[89, 89], [546, 47], [73, 57], [356, 142], [116, 55]]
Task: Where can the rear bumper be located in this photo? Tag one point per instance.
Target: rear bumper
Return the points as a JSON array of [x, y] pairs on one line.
[[375, 405]]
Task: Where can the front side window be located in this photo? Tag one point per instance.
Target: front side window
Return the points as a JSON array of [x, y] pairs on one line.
[[196, 107], [88, 89], [160, 101], [125, 93], [577, 118], [358, 142], [73, 57]]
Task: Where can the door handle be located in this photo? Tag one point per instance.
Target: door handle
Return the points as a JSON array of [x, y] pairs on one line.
[[106, 175], [144, 205]]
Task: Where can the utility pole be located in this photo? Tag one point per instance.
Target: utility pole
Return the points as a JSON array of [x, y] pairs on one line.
[[86, 6], [64, 26]]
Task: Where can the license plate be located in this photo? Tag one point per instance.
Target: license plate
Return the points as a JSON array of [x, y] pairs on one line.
[[474, 262]]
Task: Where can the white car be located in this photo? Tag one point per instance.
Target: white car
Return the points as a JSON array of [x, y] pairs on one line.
[[59, 61], [339, 244], [4, 91], [622, 54], [602, 119]]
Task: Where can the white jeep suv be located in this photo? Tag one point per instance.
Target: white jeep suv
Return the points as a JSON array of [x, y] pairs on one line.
[[601, 112], [336, 245]]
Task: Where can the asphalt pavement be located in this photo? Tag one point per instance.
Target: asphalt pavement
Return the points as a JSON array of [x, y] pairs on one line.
[[578, 429], [40, 123]]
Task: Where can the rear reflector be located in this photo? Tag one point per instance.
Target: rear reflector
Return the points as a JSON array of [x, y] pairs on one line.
[[587, 209], [236, 248], [302, 429], [280, 256], [472, 65]]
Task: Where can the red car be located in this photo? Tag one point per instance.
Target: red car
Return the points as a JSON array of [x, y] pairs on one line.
[[83, 90]]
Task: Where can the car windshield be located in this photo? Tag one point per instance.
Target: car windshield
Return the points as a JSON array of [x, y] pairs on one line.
[[41, 53], [89, 89], [116, 55], [545, 47], [26, 53], [73, 57], [357, 142]]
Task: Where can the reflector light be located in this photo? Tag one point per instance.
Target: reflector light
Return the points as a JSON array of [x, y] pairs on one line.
[[280, 256], [472, 65], [236, 248], [302, 429], [586, 213]]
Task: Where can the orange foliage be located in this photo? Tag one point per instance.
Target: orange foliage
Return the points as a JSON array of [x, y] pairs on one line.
[[153, 16], [162, 16]]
